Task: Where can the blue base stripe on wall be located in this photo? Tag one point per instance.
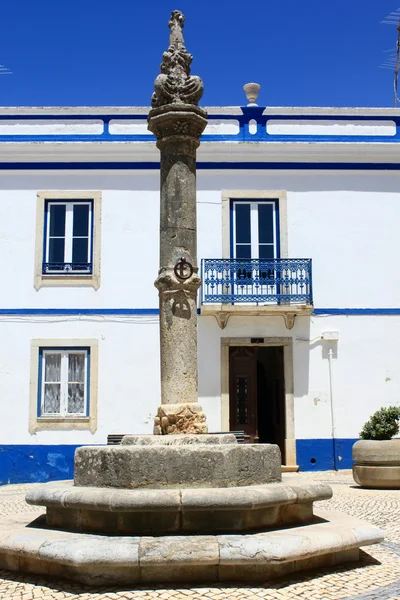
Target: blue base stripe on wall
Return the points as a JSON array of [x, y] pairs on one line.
[[320, 454], [36, 464], [41, 463]]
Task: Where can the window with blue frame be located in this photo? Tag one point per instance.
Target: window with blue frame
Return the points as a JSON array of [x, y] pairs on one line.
[[68, 245], [64, 375], [255, 229]]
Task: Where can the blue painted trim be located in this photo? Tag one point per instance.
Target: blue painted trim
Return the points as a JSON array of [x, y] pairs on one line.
[[44, 245], [311, 283], [88, 361], [155, 311], [278, 228], [36, 463], [79, 311], [243, 136], [39, 387], [202, 166], [231, 226], [41, 463], [324, 454], [356, 311]]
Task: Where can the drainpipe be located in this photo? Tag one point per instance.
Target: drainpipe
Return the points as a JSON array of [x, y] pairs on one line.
[[330, 357], [330, 337]]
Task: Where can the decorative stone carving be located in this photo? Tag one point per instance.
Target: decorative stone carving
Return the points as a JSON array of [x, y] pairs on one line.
[[175, 85], [289, 319], [180, 418]]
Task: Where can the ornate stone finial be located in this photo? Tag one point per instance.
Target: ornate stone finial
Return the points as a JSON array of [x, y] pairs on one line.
[[251, 90], [175, 85]]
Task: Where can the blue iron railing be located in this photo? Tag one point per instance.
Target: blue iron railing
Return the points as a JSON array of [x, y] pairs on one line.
[[66, 268], [261, 281]]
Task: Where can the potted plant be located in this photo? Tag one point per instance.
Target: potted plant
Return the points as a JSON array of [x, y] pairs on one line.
[[377, 456]]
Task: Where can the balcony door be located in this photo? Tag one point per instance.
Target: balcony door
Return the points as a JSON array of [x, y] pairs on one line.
[[255, 230]]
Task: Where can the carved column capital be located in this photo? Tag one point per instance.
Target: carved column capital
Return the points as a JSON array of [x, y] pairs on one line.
[[175, 123]]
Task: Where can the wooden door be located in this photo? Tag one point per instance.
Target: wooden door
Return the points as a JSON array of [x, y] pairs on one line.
[[243, 391]]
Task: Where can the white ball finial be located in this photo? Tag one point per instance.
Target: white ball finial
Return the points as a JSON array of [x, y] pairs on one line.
[[251, 90]]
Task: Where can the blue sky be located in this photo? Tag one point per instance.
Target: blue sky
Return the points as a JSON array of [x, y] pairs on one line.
[[103, 52]]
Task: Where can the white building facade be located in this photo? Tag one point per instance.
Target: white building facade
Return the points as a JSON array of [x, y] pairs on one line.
[[298, 213]]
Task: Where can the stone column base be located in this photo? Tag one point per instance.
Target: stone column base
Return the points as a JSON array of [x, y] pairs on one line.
[[180, 418]]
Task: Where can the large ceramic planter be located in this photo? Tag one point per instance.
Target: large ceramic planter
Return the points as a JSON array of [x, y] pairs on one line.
[[377, 463]]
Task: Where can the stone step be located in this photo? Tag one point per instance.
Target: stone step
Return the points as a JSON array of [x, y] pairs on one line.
[[193, 510], [331, 539]]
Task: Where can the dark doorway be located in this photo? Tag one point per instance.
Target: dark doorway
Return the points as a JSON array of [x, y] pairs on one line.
[[257, 393]]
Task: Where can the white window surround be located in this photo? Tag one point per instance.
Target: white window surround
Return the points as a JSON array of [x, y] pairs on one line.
[[71, 279], [228, 195], [58, 421]]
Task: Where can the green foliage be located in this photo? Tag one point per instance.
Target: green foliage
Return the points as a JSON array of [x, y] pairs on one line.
[[383, 424]]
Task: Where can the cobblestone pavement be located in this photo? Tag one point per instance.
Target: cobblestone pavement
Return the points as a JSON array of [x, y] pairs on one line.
[[375, 577]]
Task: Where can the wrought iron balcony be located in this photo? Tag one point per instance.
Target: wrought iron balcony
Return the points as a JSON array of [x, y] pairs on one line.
[[67, 268], [257, 281]]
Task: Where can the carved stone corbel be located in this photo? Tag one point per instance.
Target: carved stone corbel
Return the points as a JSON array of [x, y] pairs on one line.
[[289, 320], [222, 319]]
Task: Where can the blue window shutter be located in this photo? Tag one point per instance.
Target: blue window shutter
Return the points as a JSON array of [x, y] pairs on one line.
[[40, 375]]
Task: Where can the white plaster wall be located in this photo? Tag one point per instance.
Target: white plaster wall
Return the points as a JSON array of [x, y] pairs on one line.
[[347, 223], [51, 127], [129, 379], [365, 367], [330, 127], [366, 372], [216, 126]]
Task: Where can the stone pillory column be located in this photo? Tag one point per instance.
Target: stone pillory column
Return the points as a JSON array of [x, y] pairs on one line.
[[177, 122]]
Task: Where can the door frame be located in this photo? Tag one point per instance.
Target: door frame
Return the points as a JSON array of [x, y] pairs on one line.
[[287, 344]]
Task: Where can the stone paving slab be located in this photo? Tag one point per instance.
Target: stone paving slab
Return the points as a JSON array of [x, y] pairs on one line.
[[376, 576]]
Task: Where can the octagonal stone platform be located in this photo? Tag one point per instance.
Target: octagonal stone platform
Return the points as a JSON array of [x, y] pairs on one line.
[[180, 509], [177, 484]]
